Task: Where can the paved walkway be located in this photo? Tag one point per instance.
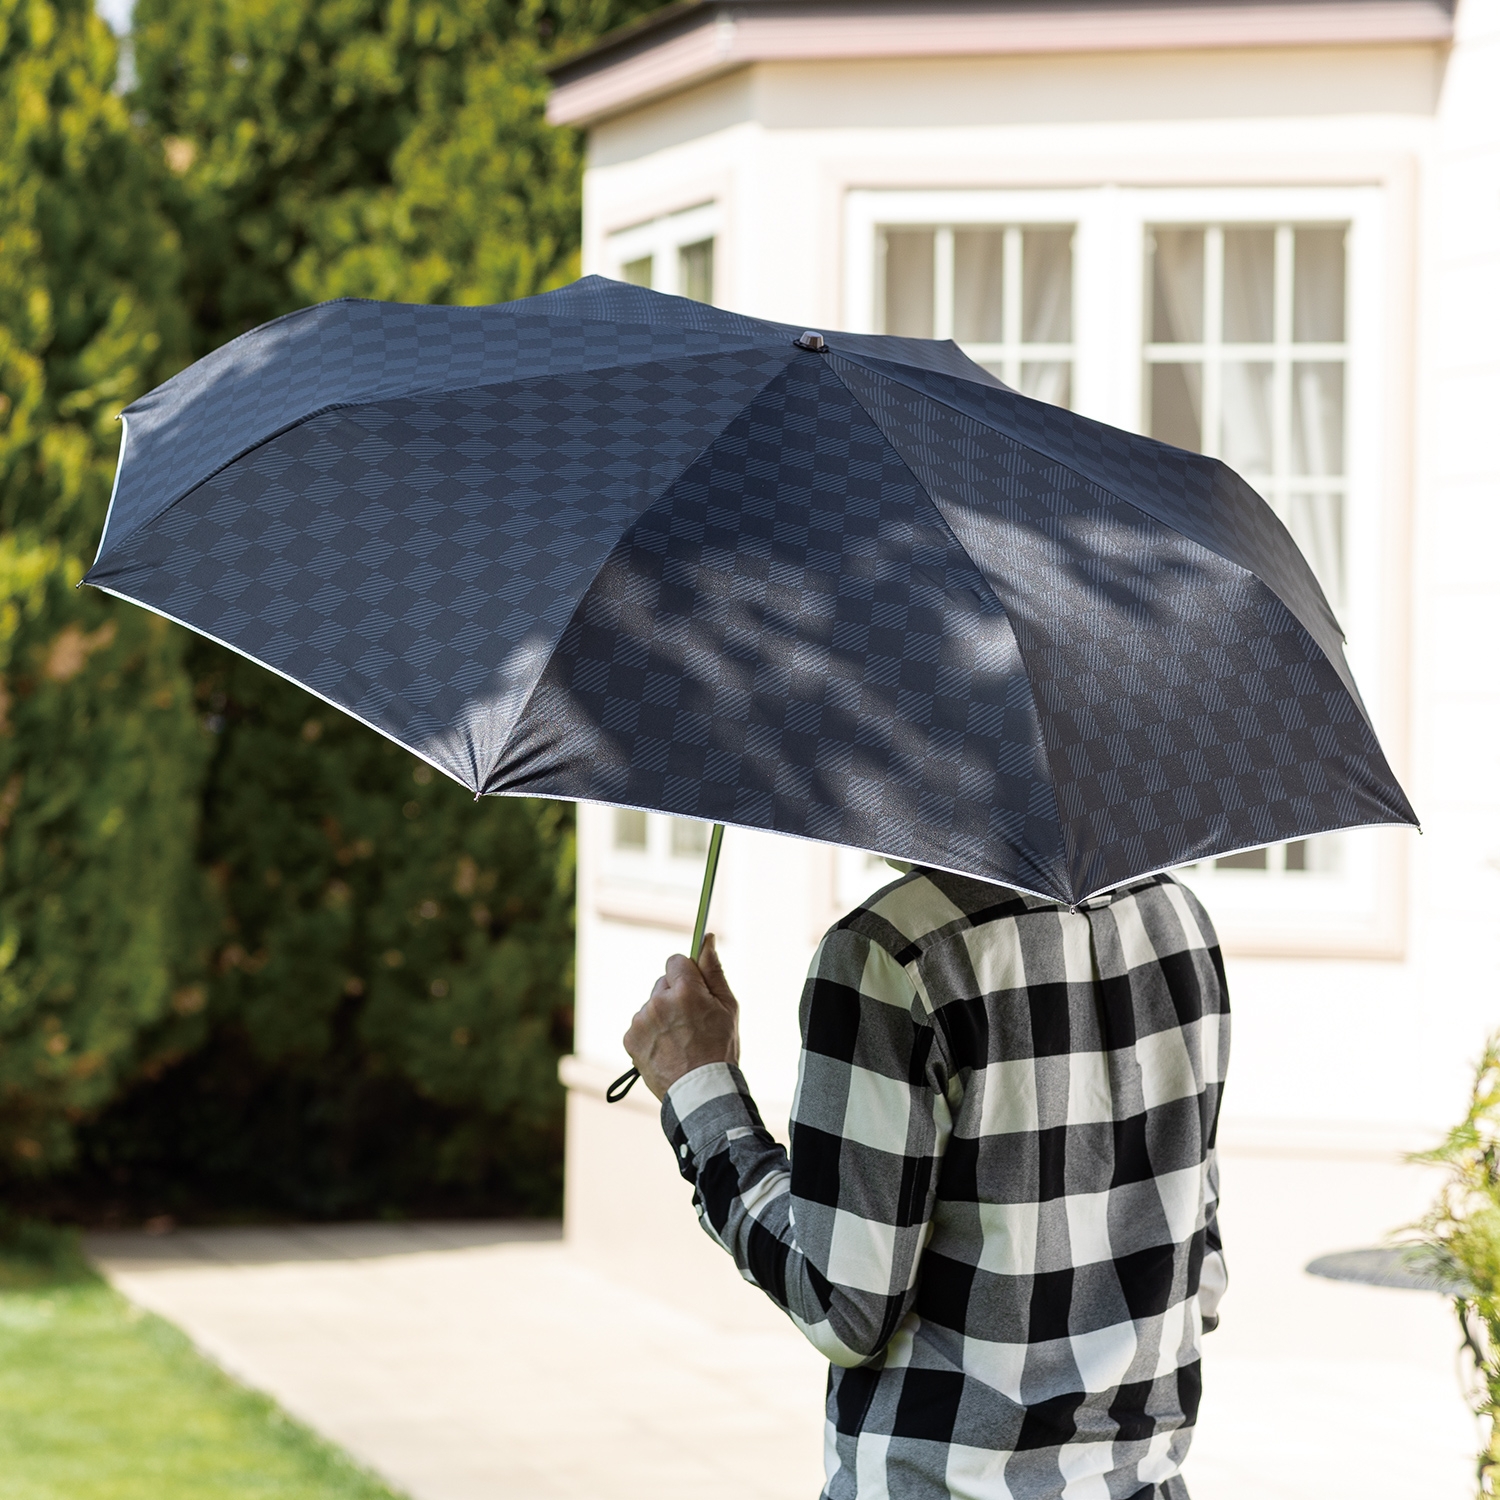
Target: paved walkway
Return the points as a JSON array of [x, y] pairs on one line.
[[485, 1362]]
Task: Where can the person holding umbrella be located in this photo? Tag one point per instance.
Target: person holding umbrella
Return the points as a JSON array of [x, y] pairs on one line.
[[998, 1218], [613, 546]]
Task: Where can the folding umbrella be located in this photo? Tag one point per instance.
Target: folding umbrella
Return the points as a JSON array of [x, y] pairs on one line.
[[614, 546]]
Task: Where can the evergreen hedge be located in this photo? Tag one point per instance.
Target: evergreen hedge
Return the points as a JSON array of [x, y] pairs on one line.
[[253, 958], [101, 917]]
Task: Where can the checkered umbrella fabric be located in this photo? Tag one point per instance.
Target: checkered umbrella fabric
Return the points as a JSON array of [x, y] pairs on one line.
[[610, 545]]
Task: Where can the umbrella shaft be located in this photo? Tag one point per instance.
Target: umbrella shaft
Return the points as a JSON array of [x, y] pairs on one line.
[[626, 1081], [710, 869]]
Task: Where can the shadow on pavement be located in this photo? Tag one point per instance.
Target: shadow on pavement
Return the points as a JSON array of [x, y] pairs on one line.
[[140, 1250]]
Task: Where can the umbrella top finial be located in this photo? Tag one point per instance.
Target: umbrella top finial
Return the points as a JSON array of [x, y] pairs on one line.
[[814, 341]]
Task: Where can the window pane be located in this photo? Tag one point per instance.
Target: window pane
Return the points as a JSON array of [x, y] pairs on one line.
[[1323, 855], [630, 828], [689, 837], [637, 272], [1249, 271], [1047, 286], [1177, 286], [1048, 380], [1252, 859], [1316, 523], [1318, 286], [1177, 405], [1318, 418], [908, 282], [978, 286], [695, 271], [1245, 426]]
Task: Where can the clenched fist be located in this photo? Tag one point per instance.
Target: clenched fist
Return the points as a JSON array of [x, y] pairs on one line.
[[691, 1019]]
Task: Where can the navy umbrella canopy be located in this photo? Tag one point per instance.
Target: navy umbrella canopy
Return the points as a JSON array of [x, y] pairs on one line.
[[610, 545]]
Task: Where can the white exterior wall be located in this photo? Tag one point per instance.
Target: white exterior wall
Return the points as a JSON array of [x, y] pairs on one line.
[[1332, 1054], [1453, 974]]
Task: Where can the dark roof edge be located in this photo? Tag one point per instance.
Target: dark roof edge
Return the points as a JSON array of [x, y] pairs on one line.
[[622, 41]]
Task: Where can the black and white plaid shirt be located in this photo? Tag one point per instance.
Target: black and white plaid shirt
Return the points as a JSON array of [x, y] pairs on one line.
[[998, 1217]]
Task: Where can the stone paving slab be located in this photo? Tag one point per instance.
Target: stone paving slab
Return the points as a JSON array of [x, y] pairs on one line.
[[488, 1362]]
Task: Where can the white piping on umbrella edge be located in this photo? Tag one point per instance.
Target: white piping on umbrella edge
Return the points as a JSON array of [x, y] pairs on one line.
[[518, 792], [114, 490]]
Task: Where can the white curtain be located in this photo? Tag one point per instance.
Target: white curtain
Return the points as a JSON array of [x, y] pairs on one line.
[[1177, 286], [1048, 380], [1245, 442], [1318, 289], [1249, 286], [979, 286], [908, 291], [1046, 286]]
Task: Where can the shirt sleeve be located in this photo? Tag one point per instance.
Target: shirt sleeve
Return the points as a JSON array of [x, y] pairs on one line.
[[833, 1233], [1213, 1277]]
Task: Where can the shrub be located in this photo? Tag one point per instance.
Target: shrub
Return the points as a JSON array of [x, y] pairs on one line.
[[100, 753], [1459, 1241], [252, 958], [390, 990]]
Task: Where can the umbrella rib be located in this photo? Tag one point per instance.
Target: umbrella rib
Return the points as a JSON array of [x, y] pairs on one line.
[[864, 363], [197, 484], [583, 593], [439, 388], [998, 603]]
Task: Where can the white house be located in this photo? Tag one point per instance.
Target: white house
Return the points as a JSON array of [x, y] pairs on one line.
[[1266, 229]]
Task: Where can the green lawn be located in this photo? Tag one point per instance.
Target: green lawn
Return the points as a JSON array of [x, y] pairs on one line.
[[99, 1401]]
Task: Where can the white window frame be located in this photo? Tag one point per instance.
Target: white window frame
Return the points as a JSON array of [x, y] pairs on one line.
[[1355, 911], [662, 239]]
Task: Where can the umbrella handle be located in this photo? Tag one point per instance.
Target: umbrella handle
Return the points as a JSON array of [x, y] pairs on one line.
[[626, 1081]]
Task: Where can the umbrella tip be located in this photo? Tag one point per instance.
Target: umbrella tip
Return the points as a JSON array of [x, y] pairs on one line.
[[814, 341]]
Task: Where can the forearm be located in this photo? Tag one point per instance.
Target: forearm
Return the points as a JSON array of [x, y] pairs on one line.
[[742, 1192]]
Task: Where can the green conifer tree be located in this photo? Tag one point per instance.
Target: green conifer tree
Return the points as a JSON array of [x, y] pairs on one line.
[[374, 148], [392, 984], [101, 756]]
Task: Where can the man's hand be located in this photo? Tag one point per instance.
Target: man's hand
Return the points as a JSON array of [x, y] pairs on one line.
[[691, 1019]]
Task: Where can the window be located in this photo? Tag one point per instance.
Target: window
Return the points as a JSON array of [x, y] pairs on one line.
[[630, 829], [638, 272], [674, 253], [1246, 323], [1245, 359], [643, 868], [689, 838], [1003, 292], [1245, 355], [695, 271], [655, 836]]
